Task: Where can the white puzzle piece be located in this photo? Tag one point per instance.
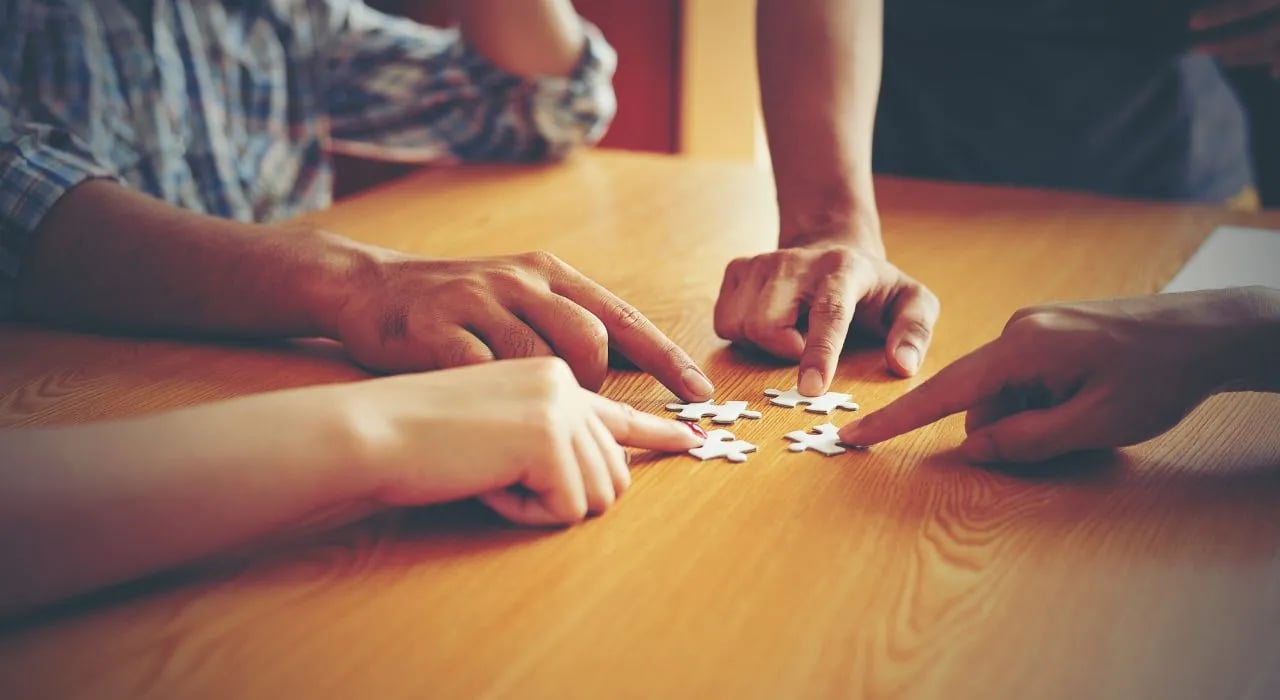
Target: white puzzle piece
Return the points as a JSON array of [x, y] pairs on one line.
[[823, 438], [826, 403], [725, 413], [722, 443]]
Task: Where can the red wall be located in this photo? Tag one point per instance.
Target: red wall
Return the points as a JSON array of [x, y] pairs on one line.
[[646, 35]]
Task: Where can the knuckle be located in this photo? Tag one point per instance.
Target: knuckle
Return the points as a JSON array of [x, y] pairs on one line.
[[550, 372], [822, 347], [1023, 320], [593, 332], [837, 258], [626, 315], [508, 277], [767, 265], [738, 266], [576, 511], [830, 306], [605, 498], [628, 416], [460, 352], [675, 356], [518, 341], [916, 329], [465, 291], [541, 260]]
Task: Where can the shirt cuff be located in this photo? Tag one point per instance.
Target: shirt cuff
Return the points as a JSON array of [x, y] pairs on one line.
[[565, 111], [34, 175]]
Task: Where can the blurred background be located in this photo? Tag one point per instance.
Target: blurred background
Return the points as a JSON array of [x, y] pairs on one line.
[[686, 84]]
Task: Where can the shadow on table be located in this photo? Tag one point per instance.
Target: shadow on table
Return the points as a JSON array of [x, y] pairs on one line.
[[1157, 502], [387, 541]]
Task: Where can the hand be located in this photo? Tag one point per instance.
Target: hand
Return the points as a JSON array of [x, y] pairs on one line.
[[1254, 27], [1089, 375], [407, 314], [767, 300], [94, 504], [521, 435]]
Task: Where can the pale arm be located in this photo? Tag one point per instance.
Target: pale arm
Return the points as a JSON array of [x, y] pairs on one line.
[[90, 506], [93, 505]]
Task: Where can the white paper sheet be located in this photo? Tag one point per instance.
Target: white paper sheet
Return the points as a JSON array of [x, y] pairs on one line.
[[1231, 257]]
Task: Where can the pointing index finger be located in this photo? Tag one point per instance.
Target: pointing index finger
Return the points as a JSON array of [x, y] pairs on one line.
[[638, 338], [637, 429], [830, 314], [955, 388]]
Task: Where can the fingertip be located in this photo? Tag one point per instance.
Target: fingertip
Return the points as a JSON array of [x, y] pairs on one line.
[[852, 432], [860, 432]]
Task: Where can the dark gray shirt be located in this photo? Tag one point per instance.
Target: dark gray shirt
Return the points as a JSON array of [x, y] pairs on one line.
[[1098, 95]]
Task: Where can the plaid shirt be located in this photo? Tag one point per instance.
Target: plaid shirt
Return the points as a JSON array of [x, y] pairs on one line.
[[231, 107]]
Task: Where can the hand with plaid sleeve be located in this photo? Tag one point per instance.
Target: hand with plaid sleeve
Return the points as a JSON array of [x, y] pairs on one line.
[[149, 150]]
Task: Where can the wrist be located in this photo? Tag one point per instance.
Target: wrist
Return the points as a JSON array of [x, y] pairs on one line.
[[336, 269], [846, 217], [859, 230]]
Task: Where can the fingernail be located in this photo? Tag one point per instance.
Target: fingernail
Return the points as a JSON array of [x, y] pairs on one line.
[[697, 430], [909, 357], [698, 386], [811, 382]]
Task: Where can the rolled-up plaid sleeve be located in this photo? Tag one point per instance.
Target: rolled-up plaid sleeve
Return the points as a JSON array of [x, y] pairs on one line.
[[424, 93], [38, 164]]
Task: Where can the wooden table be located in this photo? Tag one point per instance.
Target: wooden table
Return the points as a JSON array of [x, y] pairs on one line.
[[898, 572]]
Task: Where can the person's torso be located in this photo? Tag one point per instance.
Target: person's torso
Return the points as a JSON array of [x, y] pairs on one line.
[[212, 106], [1098, 95]]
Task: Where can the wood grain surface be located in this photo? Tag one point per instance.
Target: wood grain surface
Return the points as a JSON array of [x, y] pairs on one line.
[[900, 572]]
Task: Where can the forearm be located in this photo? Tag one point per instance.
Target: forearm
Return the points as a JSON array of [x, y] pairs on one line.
[[89, 506], [106, 257], [819, 63], [529, 38]]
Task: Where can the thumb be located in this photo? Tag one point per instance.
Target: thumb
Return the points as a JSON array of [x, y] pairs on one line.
[[1034, 436], [914, 313]]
